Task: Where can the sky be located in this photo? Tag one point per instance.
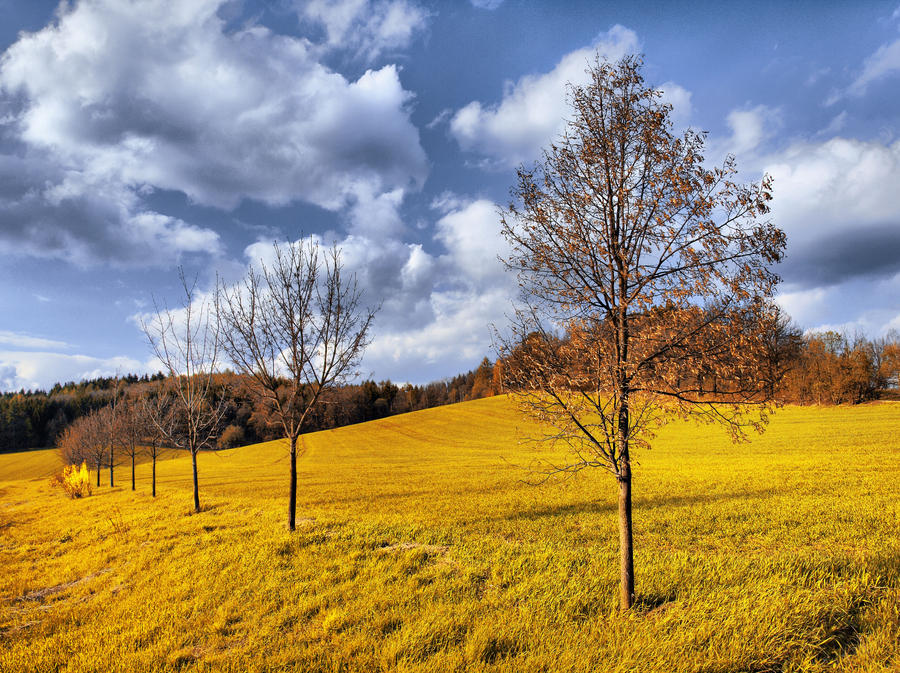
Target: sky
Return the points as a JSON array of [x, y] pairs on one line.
[[140, 136]]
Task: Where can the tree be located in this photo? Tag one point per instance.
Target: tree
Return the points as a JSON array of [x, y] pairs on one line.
[[785, 347], [130, 426], [71, 446], [645, 283], [231, 437], [481, 384], [889, 360], [187, 343], [112, 421], [158, 412], [297, 328], [87, 439]]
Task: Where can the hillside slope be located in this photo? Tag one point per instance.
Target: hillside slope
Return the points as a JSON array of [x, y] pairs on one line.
[[423, 546]]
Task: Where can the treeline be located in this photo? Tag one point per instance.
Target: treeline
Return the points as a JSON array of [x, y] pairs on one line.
[[818, 368], [247, 422], [833, 368], [37, 418]]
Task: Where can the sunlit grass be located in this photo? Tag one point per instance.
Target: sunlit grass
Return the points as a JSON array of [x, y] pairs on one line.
[[420, 547]]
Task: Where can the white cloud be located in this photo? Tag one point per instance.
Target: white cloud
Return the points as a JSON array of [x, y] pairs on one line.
[[20, 340], [533, 110], [838, 203], [471, 234], [806, 307], [750, 128], [435, 308], [463, 292], [40, 370], [486, 4], [447, 201], [835, 186], [367, 27], [835, 126], [883, 63], [113, 101], [459, 336], [52, 213], [680, 100]]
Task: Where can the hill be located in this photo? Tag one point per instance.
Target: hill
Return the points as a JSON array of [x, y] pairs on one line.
[[421, 546]]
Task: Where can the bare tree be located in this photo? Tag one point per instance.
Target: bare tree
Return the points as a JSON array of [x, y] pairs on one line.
[[646, 285], [187, 343], [129, 427], [158, 419], [296, 327], [110, 417]]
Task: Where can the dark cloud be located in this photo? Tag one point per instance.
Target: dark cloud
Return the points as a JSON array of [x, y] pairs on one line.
[[837, 257], [51, 213], [838, 202]]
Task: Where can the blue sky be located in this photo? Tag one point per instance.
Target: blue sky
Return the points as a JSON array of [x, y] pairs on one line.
[[137, 136]]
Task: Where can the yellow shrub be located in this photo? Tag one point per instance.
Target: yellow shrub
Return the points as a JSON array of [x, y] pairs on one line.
[[74, 480]]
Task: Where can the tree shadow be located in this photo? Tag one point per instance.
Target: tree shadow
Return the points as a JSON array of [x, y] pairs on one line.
[[639, 503], [654, 603], [843, 637]]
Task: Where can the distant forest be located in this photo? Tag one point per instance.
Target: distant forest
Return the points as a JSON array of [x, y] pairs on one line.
[[816, 368], [30, 419]]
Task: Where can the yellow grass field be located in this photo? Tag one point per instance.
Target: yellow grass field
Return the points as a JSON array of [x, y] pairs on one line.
[[420, 547]]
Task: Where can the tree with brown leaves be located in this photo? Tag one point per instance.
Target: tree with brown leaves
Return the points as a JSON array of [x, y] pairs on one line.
[[645, 281], [88, 439], [296, 327]]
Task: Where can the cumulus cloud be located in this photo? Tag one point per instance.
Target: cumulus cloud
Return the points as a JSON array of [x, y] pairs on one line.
[[436, 307], [839, 205], [459, 293], [471, 235], [751, 128], [52, 213], [871, 306], [112, 101], [533, 109], [680, 100], [367, 27], [38, 370]]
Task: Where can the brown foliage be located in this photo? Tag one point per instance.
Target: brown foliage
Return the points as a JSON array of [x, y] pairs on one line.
[[645, 280], [830, 368], [231, 437]]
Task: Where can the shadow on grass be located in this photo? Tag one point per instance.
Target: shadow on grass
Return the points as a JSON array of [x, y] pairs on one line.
[[654, 603], [207, 507], [639, 503], [844, 634]]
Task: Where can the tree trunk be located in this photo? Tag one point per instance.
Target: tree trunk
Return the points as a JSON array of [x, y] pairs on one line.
[[132, 470], [626, 543], [292, 499], [111, 457], [153, 488], [99, 467], [196, 487]]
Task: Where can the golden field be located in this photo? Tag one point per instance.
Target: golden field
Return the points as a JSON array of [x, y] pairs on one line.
[[421, 546]]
